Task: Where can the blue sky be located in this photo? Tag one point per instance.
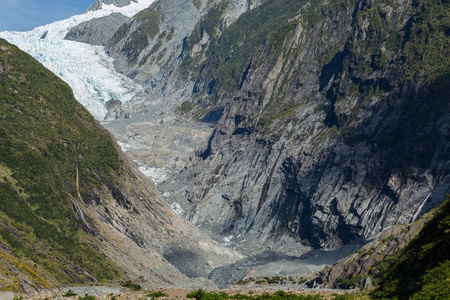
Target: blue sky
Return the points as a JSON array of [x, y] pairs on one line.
[[24, 15]]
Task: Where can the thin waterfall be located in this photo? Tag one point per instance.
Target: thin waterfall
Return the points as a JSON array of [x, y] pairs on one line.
[[420, 207], [81, 214]]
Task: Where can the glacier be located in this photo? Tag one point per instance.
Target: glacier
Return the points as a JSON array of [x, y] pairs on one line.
[[86, 68]]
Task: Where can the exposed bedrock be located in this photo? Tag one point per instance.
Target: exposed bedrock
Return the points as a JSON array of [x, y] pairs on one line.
[[323, 142]]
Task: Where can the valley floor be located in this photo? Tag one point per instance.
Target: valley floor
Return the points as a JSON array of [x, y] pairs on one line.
[[114, 294]]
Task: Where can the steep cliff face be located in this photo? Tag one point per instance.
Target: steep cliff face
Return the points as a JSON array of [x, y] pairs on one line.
[[339, 128], [74, 208], [145, 238]]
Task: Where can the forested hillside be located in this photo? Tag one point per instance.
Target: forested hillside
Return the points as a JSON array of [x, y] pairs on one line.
[[47, 142]]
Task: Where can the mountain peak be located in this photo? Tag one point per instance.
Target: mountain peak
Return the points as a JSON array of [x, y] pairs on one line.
[[132, 4], [97, 5]]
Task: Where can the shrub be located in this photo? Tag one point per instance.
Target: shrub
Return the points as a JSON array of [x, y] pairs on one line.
[[69, 293], [349, 283], [87, 297], [157, 294], [132, 286]]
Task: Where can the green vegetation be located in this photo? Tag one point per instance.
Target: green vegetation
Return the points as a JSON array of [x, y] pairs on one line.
[[279, 295], [132, 286], [186, 107], [387, 239], [197, 4], [87, 297], [284, 112], [423, 48], [46, 137], [422, 269], [69, 293], [157, 294], [351, 283]]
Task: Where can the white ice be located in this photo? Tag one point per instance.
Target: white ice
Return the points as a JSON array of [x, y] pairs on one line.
[[227, 240], [177, 208], [157, 174]]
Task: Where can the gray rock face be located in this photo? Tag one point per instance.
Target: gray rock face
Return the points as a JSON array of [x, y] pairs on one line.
[[96, 31], [149, 47], [304, 153], [323, 142]]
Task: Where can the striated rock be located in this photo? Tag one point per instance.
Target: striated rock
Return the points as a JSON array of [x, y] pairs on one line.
[[366, 283], [150, 47], [335, 130], [323, 142]]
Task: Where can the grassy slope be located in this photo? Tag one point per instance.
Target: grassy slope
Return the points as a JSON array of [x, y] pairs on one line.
[[45, 135]]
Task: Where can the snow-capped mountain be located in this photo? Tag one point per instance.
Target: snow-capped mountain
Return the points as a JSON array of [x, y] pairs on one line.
[[126, 7], [87, 69]]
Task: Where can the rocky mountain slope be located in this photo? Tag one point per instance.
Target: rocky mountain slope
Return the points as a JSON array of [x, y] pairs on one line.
[[149, 48], [359, 268], [73, 205], [337, 128], [322, 123], [421, 270], [332, 118]]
